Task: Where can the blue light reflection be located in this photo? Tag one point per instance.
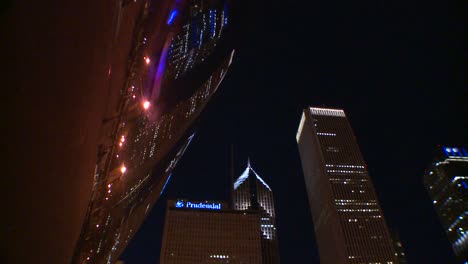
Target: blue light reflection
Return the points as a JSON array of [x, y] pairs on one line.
[[172, 17], [164, 187]]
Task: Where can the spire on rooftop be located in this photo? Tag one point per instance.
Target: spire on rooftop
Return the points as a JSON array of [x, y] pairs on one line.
[[245, 175]]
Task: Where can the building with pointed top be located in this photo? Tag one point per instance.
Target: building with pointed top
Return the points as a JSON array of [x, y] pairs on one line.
[[251, 192]]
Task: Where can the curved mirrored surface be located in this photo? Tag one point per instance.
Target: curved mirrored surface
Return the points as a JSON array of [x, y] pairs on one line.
[[177, 61]]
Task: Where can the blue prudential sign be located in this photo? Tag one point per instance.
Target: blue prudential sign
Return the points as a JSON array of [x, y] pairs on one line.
[[190, 205]]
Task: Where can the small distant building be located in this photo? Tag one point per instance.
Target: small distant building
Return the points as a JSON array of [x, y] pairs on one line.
[[446, 181]]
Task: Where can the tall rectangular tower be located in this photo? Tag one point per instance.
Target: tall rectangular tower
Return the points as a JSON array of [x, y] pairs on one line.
[[446, 180], [347, 217]]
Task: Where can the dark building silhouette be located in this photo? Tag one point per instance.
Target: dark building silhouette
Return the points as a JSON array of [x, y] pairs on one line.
[[111, 101], [347, 217], [210, 232], [398, 246], [251, 192], [446, 181]]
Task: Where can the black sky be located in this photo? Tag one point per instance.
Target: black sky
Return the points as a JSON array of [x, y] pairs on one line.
[[396, 68]]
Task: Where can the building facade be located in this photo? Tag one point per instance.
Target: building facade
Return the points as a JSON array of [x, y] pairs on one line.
[[347, 217], [446, 181], [251, 192], [210, 232]]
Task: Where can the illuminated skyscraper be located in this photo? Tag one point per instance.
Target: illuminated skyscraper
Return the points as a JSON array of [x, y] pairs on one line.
[[347, 217], [446, 180], [210, 232], [250, 192]]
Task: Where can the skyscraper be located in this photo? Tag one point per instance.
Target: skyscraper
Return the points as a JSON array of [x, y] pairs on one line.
[[210, 232], [348, 220], [251, 192], [446, 181]]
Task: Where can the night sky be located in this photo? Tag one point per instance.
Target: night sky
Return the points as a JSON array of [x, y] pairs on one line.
[[395, 67]]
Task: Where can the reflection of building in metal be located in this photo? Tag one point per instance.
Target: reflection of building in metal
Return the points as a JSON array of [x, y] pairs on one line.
[[446, 180], [251, 192], [154, 122], [198, 37], [103, 132], [210, 232], [349, 224]]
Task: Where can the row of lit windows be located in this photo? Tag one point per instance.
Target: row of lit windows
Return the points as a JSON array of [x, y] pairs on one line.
[[327, 112], [345, 171], [457, 221], [358, 210], [326, 134], [354, 203], [388, 262], [351, 200], [344, 166], [347, 179]]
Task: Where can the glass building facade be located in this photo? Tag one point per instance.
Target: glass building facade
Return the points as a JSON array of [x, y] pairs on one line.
[[446, 181], [348, 220], [251, 192], [210, 232]]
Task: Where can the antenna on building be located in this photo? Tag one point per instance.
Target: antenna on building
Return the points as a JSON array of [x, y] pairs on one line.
[[231, 184]]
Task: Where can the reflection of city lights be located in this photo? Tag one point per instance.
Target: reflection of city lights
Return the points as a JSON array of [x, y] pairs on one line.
[[146, 105], [123, 169]]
